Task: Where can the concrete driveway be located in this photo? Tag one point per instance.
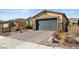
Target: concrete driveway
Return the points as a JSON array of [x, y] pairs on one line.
[[39, 37], [10, 43]]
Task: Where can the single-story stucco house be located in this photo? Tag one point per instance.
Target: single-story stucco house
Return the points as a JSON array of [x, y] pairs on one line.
[[14, 23], [29, 21], [20, 22], [50, 20]]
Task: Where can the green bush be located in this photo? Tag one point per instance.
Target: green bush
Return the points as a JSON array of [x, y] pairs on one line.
[[28, 27]]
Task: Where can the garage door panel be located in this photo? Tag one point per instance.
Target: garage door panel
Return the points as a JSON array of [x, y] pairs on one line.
[[47, 24]]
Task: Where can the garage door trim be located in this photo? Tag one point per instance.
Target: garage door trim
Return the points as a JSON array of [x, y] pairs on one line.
[[37, 22]]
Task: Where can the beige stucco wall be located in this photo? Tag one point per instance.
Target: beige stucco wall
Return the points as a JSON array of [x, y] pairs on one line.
[[64, 22], [48, 15], [26, 23]]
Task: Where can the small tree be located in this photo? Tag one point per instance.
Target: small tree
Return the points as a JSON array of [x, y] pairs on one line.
[[21, 24]]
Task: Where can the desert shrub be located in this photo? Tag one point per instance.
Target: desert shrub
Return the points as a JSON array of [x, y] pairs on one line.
[[13, 30], [74, 29], [56, 34], [17, 29], [21, 24], [63, 37], [28, 27]]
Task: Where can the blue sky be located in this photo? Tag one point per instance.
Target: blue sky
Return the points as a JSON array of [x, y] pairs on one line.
[[7, 14]]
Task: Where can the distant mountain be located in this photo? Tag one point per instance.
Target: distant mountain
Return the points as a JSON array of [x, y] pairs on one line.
[[73, 18]]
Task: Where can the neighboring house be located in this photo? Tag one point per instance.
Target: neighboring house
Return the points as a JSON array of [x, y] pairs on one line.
[[5, 24], [15, 23], [74, 21], [20, 22], [29, 21], [73, 25], [50, 20]]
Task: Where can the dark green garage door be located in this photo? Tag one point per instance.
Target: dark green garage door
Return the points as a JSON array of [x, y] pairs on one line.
[[48, 24]]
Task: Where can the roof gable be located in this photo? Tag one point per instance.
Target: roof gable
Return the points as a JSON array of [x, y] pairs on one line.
[[46, 11]]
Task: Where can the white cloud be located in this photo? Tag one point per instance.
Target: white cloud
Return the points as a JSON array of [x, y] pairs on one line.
[[70, 11]]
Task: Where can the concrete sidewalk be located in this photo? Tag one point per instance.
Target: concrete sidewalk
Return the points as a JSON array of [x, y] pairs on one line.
[[10, 43]]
